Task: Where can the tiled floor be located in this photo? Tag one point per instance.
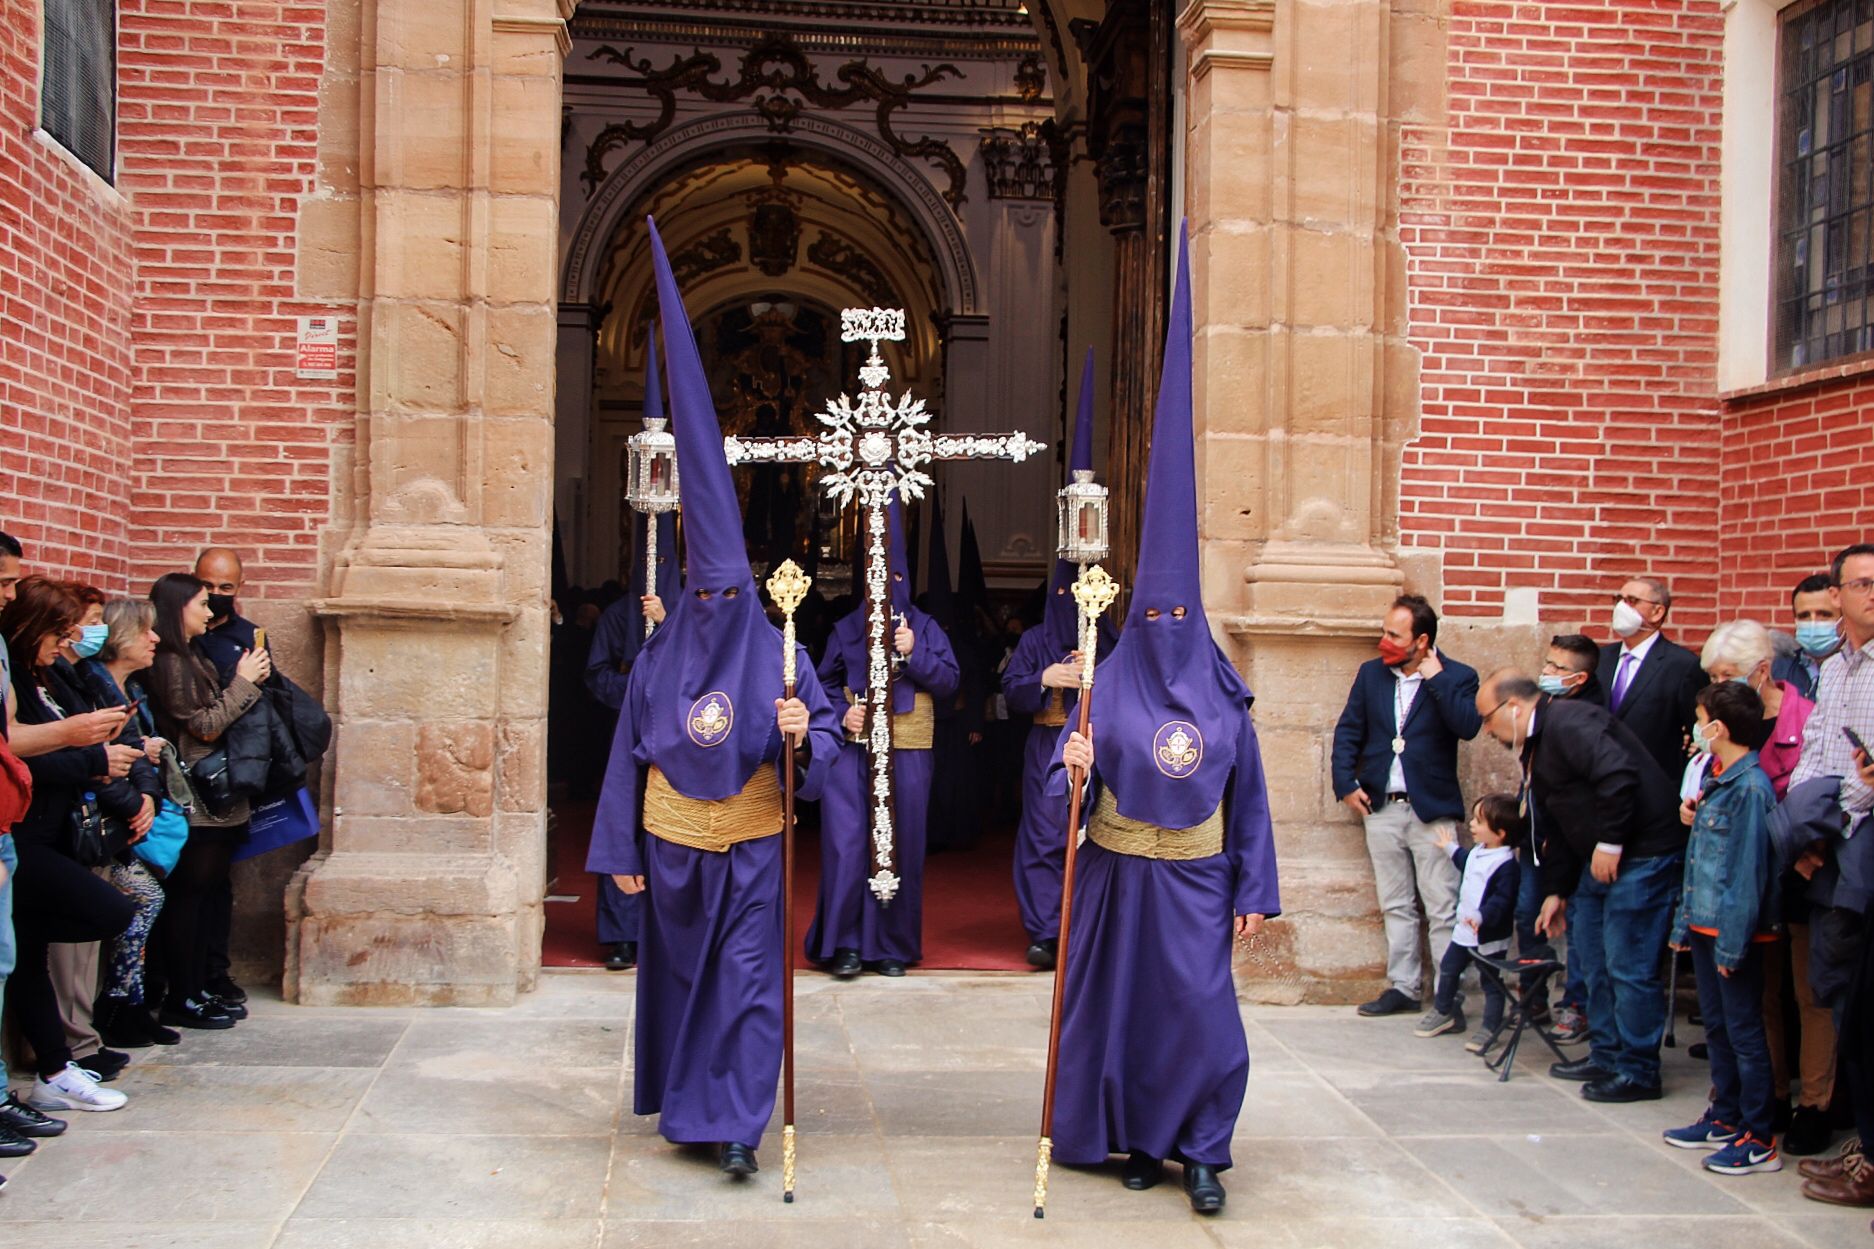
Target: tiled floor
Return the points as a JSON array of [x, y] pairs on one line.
[[405, 1129]]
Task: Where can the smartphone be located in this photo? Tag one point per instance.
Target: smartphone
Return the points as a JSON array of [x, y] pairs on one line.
[[260, 638], [1854, 739]]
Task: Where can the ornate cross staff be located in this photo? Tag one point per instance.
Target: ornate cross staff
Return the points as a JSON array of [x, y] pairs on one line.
[[870, 449], [788, 588], [1094, 593]]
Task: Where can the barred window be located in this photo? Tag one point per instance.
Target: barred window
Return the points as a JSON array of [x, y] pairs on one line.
[[78, 92]]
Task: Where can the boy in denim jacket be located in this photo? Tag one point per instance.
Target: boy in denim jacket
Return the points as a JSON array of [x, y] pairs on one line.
[[1727, 911]]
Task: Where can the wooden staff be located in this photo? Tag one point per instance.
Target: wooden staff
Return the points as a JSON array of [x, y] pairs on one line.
[[788, 587], [1094, 592]]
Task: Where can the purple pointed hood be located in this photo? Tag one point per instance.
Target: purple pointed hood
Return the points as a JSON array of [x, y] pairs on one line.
[[850, 635], [1061, 621], [1167, 705], [716, 661]]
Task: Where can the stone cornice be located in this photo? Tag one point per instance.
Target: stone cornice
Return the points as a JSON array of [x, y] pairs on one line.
[[530, 24], [415, 611], [1205, 19]]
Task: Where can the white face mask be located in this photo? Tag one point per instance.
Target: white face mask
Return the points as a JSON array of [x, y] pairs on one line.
[[1707, 735], [1627, 620]]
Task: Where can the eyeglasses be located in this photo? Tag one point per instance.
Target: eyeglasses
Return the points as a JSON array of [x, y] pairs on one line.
[[1634, 600], [1860, 585], [1560, 670]]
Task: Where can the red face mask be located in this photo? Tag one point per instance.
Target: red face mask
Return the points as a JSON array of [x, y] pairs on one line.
[[1392, 653]]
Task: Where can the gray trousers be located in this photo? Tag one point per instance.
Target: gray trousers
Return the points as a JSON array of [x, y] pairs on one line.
[[1408, 867]]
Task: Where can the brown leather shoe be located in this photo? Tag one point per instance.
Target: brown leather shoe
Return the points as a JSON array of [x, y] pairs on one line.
[[1831, 1168], [1855, 1187]]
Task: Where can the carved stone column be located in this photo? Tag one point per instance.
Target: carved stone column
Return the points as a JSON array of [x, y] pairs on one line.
[[1299, 307], [429, 887]]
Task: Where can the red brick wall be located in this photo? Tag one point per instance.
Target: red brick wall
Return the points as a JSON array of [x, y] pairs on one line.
[[1562, 250], [219, 111], [65, 366], [1804, 497]]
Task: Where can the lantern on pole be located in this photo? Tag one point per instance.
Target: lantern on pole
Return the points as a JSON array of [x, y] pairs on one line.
[[1082, 519], [651, 488]]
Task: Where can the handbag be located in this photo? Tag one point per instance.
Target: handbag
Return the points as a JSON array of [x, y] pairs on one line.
[[175, 778], [95, 838], [163, 845], [280, 821], [213, 782]]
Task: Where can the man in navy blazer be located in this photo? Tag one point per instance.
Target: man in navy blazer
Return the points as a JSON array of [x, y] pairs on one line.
[[1396, 766], [1651, 681]]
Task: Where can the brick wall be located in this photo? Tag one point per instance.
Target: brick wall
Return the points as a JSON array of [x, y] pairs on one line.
[[219, 113], [1803, 497], [1561, 235], [65, 300]]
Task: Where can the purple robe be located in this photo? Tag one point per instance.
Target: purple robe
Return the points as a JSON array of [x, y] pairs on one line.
[[848, 915], [1152, 1050], [710, 972]]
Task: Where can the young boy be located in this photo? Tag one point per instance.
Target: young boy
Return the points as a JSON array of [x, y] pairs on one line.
[[1727, 911], [1486, 916]]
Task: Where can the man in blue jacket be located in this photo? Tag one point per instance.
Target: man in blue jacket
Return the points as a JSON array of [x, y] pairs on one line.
[[1396, 766]]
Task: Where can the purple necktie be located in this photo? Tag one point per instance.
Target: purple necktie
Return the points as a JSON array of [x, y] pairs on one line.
[[1623, 678]]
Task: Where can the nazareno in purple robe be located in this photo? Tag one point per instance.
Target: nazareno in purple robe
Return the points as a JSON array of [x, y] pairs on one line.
[[1153, 1058], [710, 975], [848, 915]]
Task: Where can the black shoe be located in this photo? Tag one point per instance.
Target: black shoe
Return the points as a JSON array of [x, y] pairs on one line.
[[1620, 1089], [621, 956], [1391, 1002], [1203, 1187], [890, 967], [106, 1064], [13, 1145], [192, 1014], [121, 1024], [846, 964], [233, 1010], [160, 1035], [223, 989], [1808, 1133], [1698, 1050], [1142, 1172], [1585, 1069], [738, 1160], [1041, 954], [19, 1117]]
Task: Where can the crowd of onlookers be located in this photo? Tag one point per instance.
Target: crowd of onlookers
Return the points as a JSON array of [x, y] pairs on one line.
[[1673, 807], [138, 735]]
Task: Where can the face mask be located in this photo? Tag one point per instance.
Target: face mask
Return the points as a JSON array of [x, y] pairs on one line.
[[220, 606], [91, 640], [1554, 686], [1707, 734], [1627, 621], [1744, 680], [1392, 654], [1818, 637]]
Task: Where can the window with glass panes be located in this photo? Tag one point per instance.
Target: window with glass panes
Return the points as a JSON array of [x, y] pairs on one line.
[[78, 84]]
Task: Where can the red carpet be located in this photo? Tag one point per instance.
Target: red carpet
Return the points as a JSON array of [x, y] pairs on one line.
[[970, 920]]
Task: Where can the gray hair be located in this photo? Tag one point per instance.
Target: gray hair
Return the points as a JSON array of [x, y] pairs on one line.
[[1659, 589], [125, 618], [1741, 643]]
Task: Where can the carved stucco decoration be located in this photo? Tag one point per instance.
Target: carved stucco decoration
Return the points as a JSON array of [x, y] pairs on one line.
[[782, 82], [836, 255], [1025, 163], [705, 256]]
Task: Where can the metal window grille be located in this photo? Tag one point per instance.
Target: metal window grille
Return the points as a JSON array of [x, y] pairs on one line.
[[78, 90]]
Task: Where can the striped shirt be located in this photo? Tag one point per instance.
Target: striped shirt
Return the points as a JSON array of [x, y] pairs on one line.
[[1843, 696]]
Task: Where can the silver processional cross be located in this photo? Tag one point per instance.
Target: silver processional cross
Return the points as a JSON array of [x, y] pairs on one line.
[[870, 449]]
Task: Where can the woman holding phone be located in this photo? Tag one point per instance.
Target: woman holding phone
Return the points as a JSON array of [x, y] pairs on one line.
[[192, 711]]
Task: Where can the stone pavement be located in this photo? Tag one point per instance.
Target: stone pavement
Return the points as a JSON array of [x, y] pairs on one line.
[[510, 1129]]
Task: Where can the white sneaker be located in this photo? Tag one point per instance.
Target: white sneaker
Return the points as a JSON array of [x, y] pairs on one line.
[[74, 1089]]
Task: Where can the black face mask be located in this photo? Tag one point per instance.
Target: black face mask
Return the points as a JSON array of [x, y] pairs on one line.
[[220, 606]]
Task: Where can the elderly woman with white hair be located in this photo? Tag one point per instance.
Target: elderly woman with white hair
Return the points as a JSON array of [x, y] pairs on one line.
[[1742, 651]]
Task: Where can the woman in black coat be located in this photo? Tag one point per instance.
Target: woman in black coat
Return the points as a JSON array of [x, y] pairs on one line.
[[59, 899]]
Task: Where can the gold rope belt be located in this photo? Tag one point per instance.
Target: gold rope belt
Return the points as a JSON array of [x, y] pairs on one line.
[[1053, 714], [910, 730], [1115, 832], [714, 826]]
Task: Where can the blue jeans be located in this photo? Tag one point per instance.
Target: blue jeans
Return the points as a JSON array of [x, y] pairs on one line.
[[1451, 970], [1575, 979], [1621, 929], [1531, 944], [1743, 1092], [9, 952]]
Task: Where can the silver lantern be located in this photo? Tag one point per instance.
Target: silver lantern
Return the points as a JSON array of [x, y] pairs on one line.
[[651, 468], [1082, 504]]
